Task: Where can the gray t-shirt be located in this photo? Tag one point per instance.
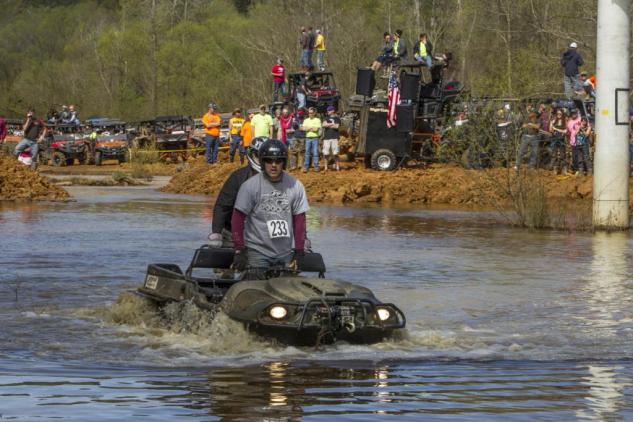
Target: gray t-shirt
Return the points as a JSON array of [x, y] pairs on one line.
[[269, 208]]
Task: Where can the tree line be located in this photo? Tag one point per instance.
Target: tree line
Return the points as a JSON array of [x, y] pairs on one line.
[[135, 59]]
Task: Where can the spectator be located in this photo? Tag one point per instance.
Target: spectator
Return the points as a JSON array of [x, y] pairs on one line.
[[399, 46], [558, 127], [311, 42], [64, 116], [580, 151], [3, 129], [571, 61], [34, 132], [285, 126], [530, 138], [235, 129], [330, 137], [573, 124], [296, 148], [422, 54], [588, 85], [74, 116], [276, 127], [262, 123], [302, 91], [52, 116], [304, 43], [386, 56], [319, 44], [247, 131], [211, 121], [279, 79], [312, 127]]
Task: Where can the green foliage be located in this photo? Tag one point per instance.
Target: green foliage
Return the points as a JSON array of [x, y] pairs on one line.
[[134, 59]]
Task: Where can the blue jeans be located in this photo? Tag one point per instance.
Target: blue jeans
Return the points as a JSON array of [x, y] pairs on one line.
[[533, 142], [278, 88], [24, 144], [212, 146], [321, 59], [312, 150], [261, 262], [426, 59], [236, 144], [571, 84], [305, 58], [301, 100]]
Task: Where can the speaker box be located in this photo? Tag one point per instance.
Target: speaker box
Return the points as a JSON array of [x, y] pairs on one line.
[[365, 82], [409, 86], [405, 117]]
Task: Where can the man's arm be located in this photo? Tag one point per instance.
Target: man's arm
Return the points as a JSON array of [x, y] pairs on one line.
[[238, 221], [299, 231]]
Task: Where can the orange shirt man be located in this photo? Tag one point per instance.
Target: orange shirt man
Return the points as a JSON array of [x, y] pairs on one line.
[[247, 131], [212, 122]]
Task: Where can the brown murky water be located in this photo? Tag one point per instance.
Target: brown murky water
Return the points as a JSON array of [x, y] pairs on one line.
[[502, 323]]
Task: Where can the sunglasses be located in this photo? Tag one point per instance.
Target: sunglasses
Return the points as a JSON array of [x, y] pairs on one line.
[[273, 161]]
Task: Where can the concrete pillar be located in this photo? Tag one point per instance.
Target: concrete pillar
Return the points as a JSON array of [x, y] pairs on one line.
[[611, 160]]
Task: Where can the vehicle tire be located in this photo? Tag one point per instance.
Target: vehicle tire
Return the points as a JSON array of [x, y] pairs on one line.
[[58, 159], [383, 160], [98, 158]]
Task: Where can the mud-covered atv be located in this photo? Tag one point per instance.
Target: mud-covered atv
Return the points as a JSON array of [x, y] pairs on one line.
[[292, 309]]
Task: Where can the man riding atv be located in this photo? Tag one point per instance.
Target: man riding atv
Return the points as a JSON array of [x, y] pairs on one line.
[[268, 221], [221, 226]]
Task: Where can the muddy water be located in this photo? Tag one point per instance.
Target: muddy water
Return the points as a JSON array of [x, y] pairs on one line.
[[502, 323]]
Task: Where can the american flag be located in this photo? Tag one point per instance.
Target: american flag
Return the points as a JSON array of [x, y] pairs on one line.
[[394, 98]]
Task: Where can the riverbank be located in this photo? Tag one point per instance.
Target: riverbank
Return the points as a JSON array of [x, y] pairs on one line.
[[19, 182], [435, 184]]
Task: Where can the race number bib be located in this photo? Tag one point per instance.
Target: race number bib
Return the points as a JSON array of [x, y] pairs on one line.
[[278, 228]]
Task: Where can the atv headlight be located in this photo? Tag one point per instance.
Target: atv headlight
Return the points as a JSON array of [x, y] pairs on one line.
[[278, 312], [383, 314]]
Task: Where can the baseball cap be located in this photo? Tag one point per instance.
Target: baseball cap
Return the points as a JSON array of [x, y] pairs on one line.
[[573, 45], [331, 108]]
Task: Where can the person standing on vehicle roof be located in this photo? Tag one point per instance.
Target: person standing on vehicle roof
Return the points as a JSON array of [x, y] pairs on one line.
[[34, 132], [571, 61], [311, 42], [304, 43], [269, 218], [211, 121], [386, 56], [279, 79], [319, 44], [74, 116], [223, 209], [235, 127], [262, 123]]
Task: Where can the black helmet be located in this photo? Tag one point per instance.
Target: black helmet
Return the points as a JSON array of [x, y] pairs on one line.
[[274, 148], [252, 154]]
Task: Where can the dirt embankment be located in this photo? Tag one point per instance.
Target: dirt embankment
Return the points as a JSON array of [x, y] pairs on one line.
[[437, 184], [17, 181]]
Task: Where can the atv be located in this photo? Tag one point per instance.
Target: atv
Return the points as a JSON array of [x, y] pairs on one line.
[[322, 90], [286, 307], [169, 135]]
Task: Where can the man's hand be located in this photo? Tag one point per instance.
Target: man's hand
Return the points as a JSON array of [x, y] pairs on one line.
[[296, 258], [240, 260], [215, 240]]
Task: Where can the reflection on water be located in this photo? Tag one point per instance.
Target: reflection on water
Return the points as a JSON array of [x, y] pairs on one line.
[[502, 323]]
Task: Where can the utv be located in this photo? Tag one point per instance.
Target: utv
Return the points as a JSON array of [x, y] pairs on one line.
[[321, 90], [168, 134], [63, 144], [108, 139]]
